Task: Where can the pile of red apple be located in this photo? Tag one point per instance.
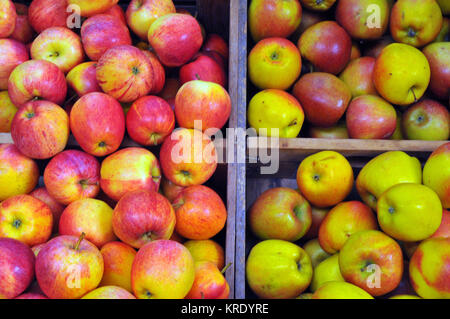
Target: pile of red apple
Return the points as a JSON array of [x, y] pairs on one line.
[[363, 69], [107, 221]]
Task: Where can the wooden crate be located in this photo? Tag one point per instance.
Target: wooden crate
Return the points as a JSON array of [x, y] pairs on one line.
[[226, 18]]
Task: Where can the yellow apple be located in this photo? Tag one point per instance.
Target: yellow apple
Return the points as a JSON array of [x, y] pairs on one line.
[[278, 269], [436, 173], [7, 112], [384, 171], [315, 252], [340, 290], [328, 270]]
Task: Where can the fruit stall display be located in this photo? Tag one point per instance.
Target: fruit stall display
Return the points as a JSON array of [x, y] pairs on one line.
[[352, 96], [88, 117]]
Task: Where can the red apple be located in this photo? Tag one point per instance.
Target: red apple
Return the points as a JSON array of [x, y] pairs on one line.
[[117, 12], [26, 219], [72, 175], [16, 268], [18, 174], [323, 96], [97, 122], [188, 157], [82, 79], [203, 68], [142, 13], [201, 213], [89, 8], [426, 120], [216, 56], [143, 216], [176, 38], [444, 228], [358, 76], [101, 33], [32, 134], [438, 56], [327, 46], [216, 43], [209, 282], [37, 79], [12, 54], [23, 32], [109, 293], [118, 258], [203, 101], [31, 295], [44, 14], [9, 16], [125, 73], [170, 190], [57, 208], [370, 117], [150, 120], [159, 72], [68, 267]]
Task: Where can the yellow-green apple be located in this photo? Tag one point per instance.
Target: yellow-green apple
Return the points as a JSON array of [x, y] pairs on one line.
[[372, 261], [188, 157], [444, 227], [370, 117], [128, 170], [374, 48], [338, 131], [323, 96], [401, 74], [203, 101], [12, 54], [109, 292], [31, 295], [325, 178], [118, 258], [102, 32], [209, 282], [68, 267], [206, 250], [398, 133], [37, 79], [162, 269], [315, 252], [409, 212], [125, 73], [9, 16], [216, 43], [18, 174], [278, 269], [60, 46], [170, 89], [444, 34], [200, 213], [445, 6], [205, 68], [72, 175], [274, 63], [26, 219], [97, 122], [7, 112], [143, 216], [117, 12], [438, 56], [280, 213], [82, 78], [23, 32], [363, 19], [176, 38], [395, 167], [275, 113], [358, 75], [328, 270], [426, 120], [142, 13], [318, 215], [327, 46], [44, 14], [32, 134], [429, 269], [150, 120], [317, 5], [436, 173], [159, 73], [57, 208], [169, 189], [90, 216], [342, 221], [271, 18], [89, 8], [16, 267], [340, 290], [408, 23]]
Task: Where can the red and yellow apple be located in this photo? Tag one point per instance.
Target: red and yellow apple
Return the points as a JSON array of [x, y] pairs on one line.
[[438, 56], [109, 292], [340, 290], [82, 78], [89, 8], [315, 5], [209, 282], [44, 14], [7, 112], [315, 252], [436, 173], [206, 250], [118, 258], [169, 189], [12, 54], [205, 68], [318, 215], [9, 16], [338, 131], [358, 75], [57, 208], [444, 227]]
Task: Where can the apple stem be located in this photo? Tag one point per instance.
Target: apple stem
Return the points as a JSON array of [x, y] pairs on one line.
[[77, 246], [414, 94], [225, 268]]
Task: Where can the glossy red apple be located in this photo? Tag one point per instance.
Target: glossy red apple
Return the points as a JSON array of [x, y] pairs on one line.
[[159, 73], [12, 54], [209, 282], [23, 32], [203, 68], [216, 43], [438, 56], [43, 14]]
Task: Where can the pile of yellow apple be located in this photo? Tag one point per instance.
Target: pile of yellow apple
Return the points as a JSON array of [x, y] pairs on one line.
[[317, 242]]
